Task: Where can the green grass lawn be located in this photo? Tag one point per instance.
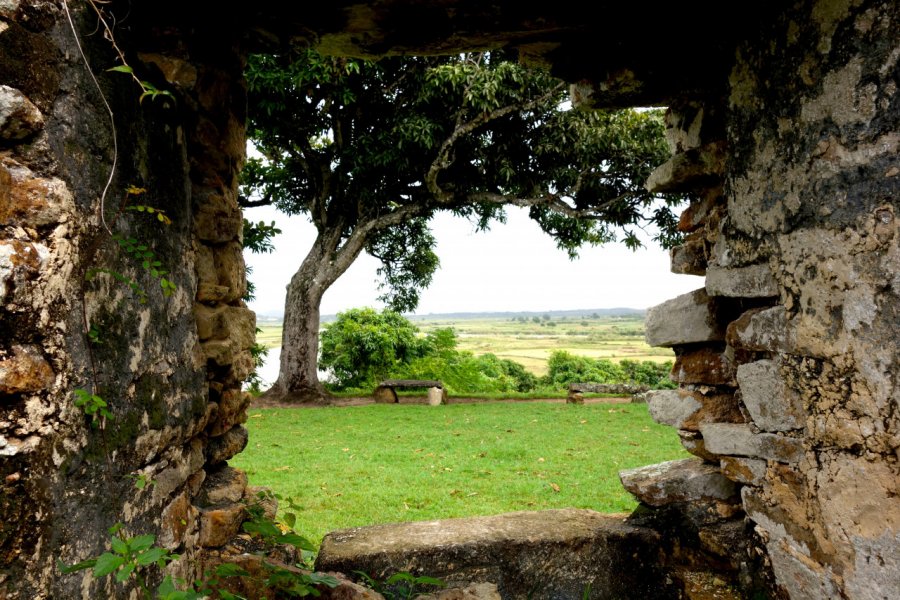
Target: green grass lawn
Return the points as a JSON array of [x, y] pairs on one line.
[[388, 463]]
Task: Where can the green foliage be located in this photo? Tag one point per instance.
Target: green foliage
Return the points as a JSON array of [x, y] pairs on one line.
[[400, 586], [565, 368], [257, 237], [362, 346], [129, 556], [93, 406], [286, 583], [408, 262]]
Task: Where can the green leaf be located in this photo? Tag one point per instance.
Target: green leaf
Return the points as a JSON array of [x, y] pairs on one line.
[[115, 528], [119, 545], [141, 542], [125, 572], [231, 570], [80, 566], [152, 555], [122, 69], [107, 563]]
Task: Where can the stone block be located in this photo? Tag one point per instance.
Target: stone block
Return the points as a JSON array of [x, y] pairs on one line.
[[690, 258], [241, 367], [223, 485], [475, 591], [220, 352], [763, 330], [691, 170], [676, 481], [687, 319], [230, 270], [698, 212], [743, 470], [8, 8], [232, 411], [30, 201], [20, 262], [772, 405], [217, 219], [685, 409], [211, 293], [234, 323], [693, 442], [19, 118], [218, 524], [740, 440], [755, 281], [25, 371], [175, 70], [226, 445], [703, 366], [554, 551], [177, 520]]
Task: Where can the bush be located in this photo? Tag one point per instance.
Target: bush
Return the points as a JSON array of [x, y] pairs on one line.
[[362, 346]]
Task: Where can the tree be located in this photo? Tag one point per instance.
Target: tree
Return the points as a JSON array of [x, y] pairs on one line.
[[369, 151]]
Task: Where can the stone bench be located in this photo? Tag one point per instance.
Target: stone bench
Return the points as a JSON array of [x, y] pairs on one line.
[[386, 392], [576, 390]]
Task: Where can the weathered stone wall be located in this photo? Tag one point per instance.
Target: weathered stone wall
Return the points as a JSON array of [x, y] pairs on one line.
[[169, 368], [787, 360]]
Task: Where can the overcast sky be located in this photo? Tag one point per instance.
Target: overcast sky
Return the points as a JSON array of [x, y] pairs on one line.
[[512, 267]]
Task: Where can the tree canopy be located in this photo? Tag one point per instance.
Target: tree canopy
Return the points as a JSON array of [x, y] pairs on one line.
[[369, 151]]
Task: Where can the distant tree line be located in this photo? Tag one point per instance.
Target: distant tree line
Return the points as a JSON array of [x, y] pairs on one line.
[[363, 347]]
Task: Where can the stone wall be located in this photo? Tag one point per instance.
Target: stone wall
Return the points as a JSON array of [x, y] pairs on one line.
[[787, 359], [169, 368], [784, 124]]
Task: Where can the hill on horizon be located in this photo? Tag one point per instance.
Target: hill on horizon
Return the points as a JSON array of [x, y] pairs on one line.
[[576, 313]]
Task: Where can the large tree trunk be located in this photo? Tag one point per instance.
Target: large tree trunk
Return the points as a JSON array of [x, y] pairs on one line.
[[298, 379]]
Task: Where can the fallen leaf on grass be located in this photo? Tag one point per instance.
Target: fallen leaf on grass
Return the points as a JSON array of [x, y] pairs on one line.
[[583, 421], [541, 459], [345, 449], [284, 468], [554, 487], [256, 416]]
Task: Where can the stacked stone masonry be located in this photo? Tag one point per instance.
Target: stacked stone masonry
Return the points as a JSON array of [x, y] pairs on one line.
[[170, 369], [793, 330]]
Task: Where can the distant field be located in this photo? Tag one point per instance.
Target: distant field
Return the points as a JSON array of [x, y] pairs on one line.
[[530, 343]]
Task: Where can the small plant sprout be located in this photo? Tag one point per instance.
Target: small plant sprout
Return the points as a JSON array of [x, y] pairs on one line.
[[93, 406]]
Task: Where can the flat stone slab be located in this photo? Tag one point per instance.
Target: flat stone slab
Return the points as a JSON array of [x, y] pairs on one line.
[[740, 440], [553, 554], [675, 481], [687, 319]]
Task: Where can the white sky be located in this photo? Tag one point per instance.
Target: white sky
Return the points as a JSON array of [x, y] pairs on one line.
[[512, 267]]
